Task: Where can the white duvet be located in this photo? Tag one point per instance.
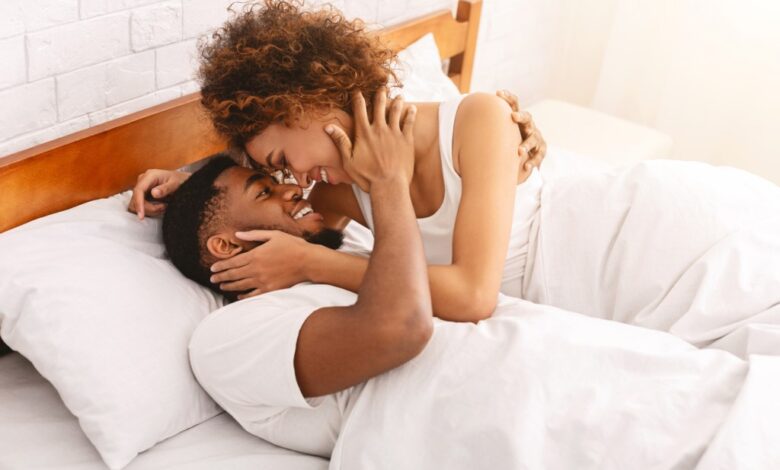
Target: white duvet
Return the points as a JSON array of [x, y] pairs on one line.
[[681, 247], [685, 248], [540, 388]]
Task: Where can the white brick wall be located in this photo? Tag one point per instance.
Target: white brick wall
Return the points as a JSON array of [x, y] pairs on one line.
[[72, 64]]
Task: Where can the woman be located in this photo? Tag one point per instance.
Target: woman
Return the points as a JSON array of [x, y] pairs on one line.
[[280, 83]]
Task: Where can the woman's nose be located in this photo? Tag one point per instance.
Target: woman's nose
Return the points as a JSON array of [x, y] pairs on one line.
[[302, 179]]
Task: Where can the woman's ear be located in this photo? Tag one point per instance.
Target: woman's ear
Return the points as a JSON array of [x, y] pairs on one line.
[[221, 246]]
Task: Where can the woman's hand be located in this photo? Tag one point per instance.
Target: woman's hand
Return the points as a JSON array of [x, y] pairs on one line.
[[265, 268], [159, 184], [383, 148], [533, 148]]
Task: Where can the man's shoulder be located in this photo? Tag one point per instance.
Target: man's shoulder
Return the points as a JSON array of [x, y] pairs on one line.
[[304, 294]]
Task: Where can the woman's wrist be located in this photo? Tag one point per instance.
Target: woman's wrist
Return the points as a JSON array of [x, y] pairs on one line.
[[314, 259]]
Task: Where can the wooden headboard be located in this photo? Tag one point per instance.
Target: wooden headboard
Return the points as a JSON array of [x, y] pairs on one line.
[[106, 159]]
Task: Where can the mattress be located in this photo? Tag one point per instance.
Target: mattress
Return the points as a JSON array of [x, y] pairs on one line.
[[38, 432]]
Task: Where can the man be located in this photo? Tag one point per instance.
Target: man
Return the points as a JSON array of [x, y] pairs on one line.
[[364, 380]]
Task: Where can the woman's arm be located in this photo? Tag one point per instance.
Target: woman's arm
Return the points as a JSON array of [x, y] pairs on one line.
[[466, 290]]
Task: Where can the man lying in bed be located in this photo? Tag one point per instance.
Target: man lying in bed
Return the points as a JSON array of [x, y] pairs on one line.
[[334, 341], [295, 366]]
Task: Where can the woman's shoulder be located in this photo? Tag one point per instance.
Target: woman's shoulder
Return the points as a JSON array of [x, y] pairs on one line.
[[480, 105]]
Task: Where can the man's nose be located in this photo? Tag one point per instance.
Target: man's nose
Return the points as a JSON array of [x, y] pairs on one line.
[[290, 192]]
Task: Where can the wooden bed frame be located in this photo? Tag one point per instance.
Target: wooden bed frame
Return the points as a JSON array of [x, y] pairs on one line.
[[106, 159]]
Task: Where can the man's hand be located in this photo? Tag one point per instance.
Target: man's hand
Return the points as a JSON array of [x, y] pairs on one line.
[[533, 148], [150, 190]]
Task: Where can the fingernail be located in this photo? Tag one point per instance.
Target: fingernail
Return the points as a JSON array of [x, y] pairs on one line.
[[212, 269], [211, 279], [329, 129], [155, 192]]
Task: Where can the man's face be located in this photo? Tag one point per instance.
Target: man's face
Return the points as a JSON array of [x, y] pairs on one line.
[[255, 201]]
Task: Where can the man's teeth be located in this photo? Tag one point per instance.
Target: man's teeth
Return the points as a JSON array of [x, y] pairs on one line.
[[302, 212], [324, 175]]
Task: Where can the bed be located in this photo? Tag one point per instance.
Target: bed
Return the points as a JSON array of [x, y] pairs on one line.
[[37, 430], [38, 426]]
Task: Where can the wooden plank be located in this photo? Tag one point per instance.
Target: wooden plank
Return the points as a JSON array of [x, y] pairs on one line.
[[103, 160], [106, 159]]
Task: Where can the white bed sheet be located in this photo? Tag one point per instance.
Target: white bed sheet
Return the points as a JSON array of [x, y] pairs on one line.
[[37, 432]]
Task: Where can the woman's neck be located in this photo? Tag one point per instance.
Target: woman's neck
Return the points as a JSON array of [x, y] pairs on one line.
[[427, 186], [426, 131]]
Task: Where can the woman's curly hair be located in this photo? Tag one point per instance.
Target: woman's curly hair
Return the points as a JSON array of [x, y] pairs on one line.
[[274, 62]]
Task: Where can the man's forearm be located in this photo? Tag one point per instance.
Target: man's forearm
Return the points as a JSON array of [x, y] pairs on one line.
[[396, 233]]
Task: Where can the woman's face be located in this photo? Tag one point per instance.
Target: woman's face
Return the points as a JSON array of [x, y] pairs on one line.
[[304, 149]]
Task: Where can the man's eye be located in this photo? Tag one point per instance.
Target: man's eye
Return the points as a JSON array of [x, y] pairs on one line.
[[265, 192]]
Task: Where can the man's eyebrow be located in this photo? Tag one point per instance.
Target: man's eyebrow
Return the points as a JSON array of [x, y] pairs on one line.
[[252, 179]]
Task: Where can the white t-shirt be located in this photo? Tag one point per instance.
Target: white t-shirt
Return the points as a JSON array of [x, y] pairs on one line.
[[243, 355]]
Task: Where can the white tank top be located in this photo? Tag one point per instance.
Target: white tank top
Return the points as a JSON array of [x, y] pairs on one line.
[[437, 230]]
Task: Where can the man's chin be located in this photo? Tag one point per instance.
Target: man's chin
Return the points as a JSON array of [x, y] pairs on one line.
[[326, 237]]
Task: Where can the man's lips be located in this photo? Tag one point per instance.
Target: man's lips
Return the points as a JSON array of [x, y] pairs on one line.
[[303, 210]]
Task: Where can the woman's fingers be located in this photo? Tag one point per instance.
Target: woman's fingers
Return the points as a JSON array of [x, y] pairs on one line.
[[360, 113], [341, 139], [396, 109], [228, 275], [409, 117], [253, 293], [380, 106], [256, 235], [238, 286], [237, 261]]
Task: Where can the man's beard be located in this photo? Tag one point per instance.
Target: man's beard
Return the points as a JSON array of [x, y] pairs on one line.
[[326, 237]]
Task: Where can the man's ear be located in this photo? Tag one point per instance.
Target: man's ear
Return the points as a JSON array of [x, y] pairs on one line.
[[221, 246]]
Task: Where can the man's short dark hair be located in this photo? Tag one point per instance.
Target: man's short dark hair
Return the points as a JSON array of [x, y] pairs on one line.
[[192, 212]]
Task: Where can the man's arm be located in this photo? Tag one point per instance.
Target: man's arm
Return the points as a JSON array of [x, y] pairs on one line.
[[391, 322]]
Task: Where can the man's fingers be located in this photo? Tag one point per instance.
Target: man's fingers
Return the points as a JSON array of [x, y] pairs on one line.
[[409, 117], [521, 117], [525, 122], [396, 109], [137, 203], [341, 139], [256, 235], [380, 106], [510, 98], [165, 189], [359, 112]]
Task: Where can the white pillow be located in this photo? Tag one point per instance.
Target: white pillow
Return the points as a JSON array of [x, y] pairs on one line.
[[420, 71], [89, 298]]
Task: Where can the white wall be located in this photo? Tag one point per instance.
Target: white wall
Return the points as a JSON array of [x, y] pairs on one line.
[[73, 64]]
